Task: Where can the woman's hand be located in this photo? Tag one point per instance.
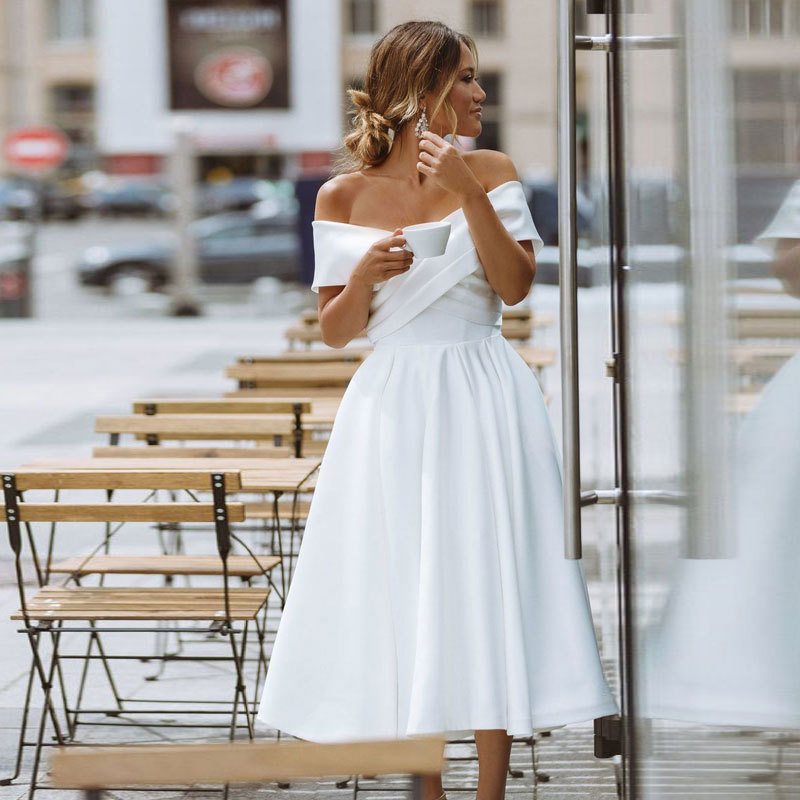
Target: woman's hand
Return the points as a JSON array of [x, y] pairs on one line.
[[380, 263], [442, 161]]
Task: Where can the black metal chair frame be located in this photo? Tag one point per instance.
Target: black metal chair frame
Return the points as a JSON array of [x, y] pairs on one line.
[[49, 671]]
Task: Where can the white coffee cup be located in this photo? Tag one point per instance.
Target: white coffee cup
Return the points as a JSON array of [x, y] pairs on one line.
[[427, 239]]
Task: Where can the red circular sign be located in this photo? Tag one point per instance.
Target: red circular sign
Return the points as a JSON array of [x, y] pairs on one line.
[[35, 148], [12, 285], [234, 76]]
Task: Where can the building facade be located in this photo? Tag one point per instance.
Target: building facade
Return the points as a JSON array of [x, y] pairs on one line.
[[50, 72]]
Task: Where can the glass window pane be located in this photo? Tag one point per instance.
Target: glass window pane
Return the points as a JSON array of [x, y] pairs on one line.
[[760, 141], [485, 18], [738, 19], [491, 128], [757, 86], [71, 99], [490, 83], [758, 14], [70, 20], [776, 20], [363, 16], [793, 13]]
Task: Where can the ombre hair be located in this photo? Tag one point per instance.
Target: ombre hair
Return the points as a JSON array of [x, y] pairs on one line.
[[414, 58]]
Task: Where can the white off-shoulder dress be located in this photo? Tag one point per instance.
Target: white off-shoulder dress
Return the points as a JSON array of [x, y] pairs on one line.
[[431, 593]]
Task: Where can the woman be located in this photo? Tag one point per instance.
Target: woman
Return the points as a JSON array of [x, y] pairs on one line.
[[431, 594]]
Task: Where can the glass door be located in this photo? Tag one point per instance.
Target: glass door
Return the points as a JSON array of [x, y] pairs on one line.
[[694, 168]]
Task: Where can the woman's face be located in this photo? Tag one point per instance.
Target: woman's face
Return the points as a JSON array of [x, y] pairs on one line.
[[465, 97]]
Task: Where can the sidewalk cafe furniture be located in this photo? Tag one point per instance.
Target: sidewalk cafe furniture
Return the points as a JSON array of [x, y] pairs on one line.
[[53, 610], [275, 477], [94, 769], [518, 324]]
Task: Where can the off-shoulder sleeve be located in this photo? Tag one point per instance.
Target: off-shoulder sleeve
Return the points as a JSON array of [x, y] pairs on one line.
[[338, 247], [511, 205], [786, 222]]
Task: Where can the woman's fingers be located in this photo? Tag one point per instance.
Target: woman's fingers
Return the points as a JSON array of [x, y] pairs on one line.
[[398, 255], [392, 241]]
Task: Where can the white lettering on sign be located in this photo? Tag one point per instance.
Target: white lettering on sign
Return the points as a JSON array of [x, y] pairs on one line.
[[35, 148], [231, 20]]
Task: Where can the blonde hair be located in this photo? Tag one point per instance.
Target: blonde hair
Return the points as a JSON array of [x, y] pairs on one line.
[[412, 59]]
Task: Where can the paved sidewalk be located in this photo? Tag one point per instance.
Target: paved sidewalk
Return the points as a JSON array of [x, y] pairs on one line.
[[55, 377]]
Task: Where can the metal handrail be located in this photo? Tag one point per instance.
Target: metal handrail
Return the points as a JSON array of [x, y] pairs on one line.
[[614, 496], [604, 42], [568, 279]]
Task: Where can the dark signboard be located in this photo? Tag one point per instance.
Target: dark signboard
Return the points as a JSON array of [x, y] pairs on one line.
[[232, 55]]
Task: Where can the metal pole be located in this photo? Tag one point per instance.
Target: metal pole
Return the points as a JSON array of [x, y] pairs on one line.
[[568, 279], [14, 35], [185, 276], [708, 155]]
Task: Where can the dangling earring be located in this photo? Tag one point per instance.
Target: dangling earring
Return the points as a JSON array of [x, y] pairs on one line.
[[422, 124]]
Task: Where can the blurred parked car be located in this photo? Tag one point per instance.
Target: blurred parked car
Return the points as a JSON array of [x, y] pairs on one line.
[[542, 198], [132, 197], [237, 194], [236, 247], [59, 202], [17, 199], [19, 196]]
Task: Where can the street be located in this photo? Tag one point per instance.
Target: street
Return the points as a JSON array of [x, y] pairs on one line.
[[58, 295]]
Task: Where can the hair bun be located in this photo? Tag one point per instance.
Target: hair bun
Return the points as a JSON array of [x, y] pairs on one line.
[[370, 118], [376, 120]]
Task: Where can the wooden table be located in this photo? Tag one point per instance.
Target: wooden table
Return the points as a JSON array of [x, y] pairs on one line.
[[257, 474], [274, 476]]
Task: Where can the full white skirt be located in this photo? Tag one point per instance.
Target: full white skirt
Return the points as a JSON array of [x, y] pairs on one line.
[[431, 593]]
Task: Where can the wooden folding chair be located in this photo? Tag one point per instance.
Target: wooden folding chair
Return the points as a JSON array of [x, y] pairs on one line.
[[187, 420], [298, 377], [94, 769], [267, 433], [71, 607], [311, 417], [518, 324], [767, 323], [309, 356]]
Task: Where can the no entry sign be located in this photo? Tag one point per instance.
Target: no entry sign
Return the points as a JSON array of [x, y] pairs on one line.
[[35, 148]]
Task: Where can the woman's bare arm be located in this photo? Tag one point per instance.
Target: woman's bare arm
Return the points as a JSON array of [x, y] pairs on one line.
[[786, 265], [510, 265], [344, 310]]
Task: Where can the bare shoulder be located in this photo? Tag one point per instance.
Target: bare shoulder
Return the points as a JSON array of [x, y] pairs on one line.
[[491, 167], [335, 197]]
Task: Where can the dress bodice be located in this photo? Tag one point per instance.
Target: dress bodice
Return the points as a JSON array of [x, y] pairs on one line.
[[453, 283]]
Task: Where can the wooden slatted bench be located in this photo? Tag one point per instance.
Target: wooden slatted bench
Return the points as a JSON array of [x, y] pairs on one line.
[[535, 357], [297, 376], [253, 427], [164, 564], [222, 405], [162, 451], [29, 512], [308, 424], [96, 768], [755, 323], [278, 429], [309, 356], [51, 611], [742, 402], [284, 478], [518, 326], [137, 603], [753, 364], [767, 323], [327, 394], [266, 511]]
